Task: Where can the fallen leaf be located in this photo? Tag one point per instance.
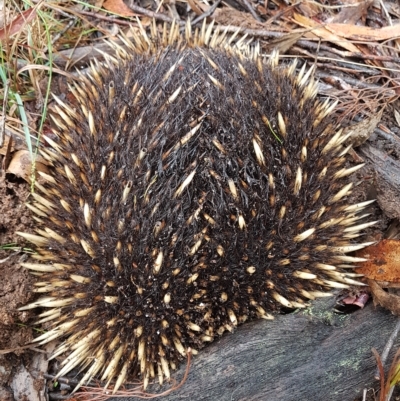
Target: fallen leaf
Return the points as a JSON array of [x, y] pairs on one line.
[[348, 15], [23, 384], [21, 165], [320, 31], [385, 299], [362, 130], [5, 150], [8, 146], [309, 9], [118, 7], [364, 33], [195, 7], [284, 43], [383, 261], [18, 23]]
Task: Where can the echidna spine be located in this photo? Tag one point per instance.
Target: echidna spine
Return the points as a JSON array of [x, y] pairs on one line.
[[194, 186]]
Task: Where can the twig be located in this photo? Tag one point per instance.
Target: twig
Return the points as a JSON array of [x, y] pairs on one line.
[[388, 347], [3, 117], [75, 13], [390, 393], [62, 32], [266, 34], [62, 379], [207, 13], [251, 10], [105, 18], [151, 14], [29, 346], [10, 256], [352, 81], [171, 5], [385, 132]]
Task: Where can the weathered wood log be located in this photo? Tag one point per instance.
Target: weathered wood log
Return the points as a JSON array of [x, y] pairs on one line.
[[387, 181], [312, 355]]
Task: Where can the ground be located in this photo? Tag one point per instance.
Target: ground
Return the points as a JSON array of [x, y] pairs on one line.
[[15, 282]]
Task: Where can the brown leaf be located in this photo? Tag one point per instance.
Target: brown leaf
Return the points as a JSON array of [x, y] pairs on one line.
[[18, 23], [362, 130], [8, 146], [118, 7], [320, 31], [5, 150], [385, 299], [285, 43], [308, 9], [364, 33], [21, 165], [383, 263], [195, 7], [348, 15]]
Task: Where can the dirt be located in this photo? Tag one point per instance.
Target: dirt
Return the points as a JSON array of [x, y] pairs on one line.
[[15, 283]]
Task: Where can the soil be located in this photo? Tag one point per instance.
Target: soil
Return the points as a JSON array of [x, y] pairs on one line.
[[15, 283]]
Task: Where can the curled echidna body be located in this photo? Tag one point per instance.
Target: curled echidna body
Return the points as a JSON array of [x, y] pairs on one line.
[[194, 186]]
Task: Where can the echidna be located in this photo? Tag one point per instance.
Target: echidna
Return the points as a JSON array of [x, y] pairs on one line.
[[194, 186]]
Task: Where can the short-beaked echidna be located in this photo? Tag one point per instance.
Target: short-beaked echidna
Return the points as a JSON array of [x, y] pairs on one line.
[[194, 186]]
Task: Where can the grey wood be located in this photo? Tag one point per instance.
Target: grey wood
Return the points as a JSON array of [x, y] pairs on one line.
[[311, 355]]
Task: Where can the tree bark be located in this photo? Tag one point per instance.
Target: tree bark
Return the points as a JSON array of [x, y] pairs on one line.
[[313, 355]]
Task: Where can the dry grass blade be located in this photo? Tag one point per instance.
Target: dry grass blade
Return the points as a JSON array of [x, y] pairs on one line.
[[393, 376], [382, 395]]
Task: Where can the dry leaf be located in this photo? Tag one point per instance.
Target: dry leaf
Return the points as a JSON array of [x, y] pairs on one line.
[[284, 43], [195, 7], [309, 9], [382, 271], [20, 165], [118, 7], [18, 23], [364, 33], [385, 299], [384, 261], [320, 32], [363, 129], [6, 152], [8, 146], [348, 15]]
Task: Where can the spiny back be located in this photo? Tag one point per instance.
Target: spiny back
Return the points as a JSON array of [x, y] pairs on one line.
[[192, 188]]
